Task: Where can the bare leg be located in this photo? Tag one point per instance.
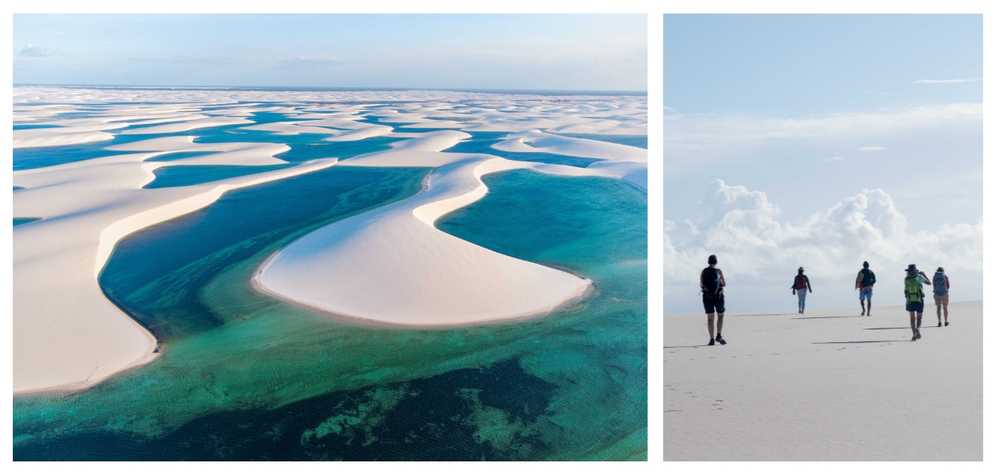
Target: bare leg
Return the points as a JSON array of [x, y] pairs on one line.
[[862, 307], [946, 313], [869, 306], [718, 331], [913, 324], [711, 325]]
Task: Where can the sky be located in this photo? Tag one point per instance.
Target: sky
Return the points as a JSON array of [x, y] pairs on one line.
[[821, 141], [553, 52]]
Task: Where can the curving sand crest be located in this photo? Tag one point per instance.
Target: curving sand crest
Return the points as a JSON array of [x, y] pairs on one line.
[[392, 266], [97, 128], [67, 334], [388, 266], [337, 130], [538, 141]]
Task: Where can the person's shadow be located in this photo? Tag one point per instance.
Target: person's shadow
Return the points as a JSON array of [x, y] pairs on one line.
[[857, 342]]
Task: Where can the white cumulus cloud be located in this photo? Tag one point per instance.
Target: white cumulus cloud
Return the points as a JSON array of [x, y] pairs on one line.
[[759, 249]]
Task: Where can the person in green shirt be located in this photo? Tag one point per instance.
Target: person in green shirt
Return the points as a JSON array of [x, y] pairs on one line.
[[913, 290]]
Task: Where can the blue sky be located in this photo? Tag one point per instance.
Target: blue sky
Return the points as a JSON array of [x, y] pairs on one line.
[[579, 52], [821, 141], [802, 64]]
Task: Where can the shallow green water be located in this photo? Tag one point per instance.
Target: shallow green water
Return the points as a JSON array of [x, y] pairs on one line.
[[265, 380], [243, 376]]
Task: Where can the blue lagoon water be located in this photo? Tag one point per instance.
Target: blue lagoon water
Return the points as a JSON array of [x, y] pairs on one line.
[[243, 376], [184, 175]]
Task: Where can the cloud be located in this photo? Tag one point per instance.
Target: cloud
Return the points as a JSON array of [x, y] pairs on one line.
[[32, 51], [946, 81], [702, 137], [713, 128], [833, 159], [759, 248], [871, 148]]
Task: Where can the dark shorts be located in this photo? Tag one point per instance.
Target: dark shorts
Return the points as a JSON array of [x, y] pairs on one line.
[[715, 303], [915, 307], [865, 293]]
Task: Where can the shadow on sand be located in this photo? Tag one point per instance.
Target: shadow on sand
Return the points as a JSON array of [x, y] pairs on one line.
[[858, 341], [832, 316]]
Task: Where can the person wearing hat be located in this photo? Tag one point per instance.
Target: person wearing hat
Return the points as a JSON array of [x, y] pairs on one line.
[[941, 287], [801, 286], [712, 283], [864, 284], [913, 289]]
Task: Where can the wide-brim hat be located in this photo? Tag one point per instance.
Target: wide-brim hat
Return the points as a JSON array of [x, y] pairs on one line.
[[911, 268]]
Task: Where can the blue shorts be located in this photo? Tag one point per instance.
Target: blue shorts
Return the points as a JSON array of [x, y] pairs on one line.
[[865, 293], [915, 307]]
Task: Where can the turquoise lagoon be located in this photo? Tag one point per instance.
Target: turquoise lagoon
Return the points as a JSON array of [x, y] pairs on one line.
[[243, 376]]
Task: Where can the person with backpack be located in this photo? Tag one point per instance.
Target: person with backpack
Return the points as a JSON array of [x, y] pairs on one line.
[[800, 286], [941, 287], [712, 283], [864, 283], [913, 289]]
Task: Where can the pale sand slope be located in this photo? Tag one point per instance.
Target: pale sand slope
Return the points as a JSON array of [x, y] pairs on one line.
[[67, 335], [538, 141], [615, 160], [825, 387], [97, 129], [340, 130], [413, 274]]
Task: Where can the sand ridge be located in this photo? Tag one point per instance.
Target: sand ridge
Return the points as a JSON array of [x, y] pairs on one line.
[[69, 336]]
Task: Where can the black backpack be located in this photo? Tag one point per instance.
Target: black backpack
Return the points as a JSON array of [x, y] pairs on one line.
[[867, 278], [710, 282]]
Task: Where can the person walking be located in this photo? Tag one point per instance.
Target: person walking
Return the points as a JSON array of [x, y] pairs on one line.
[[864, 284], [801, 286], [941, 287], [712, 283], [913, 290]]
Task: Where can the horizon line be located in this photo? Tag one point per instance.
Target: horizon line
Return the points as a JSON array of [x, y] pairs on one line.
[[341, 88]]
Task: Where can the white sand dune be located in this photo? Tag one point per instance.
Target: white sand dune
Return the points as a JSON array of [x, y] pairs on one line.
[[229, 153], [393, 267], [336, 130], [615, 160], [186, 125], [69, 132], [414, 274], [67, 335], [538, 141], [102, 126], [825, 386]]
